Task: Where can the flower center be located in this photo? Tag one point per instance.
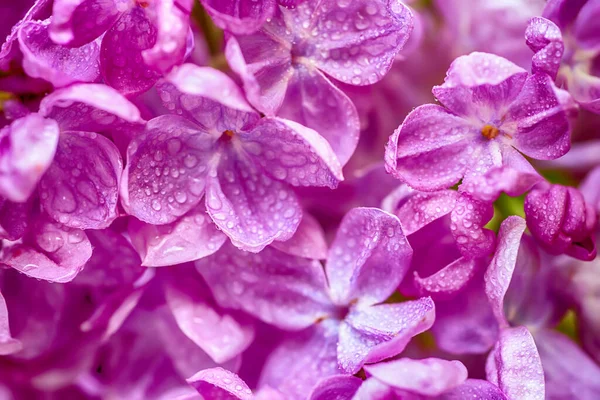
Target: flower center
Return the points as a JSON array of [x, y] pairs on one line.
[[489, 132]]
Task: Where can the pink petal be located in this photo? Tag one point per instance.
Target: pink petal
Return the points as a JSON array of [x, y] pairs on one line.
[[240, 17], [545, 39], [302, 360], [28, 147], [421, 209], [192, 237], [429, 150], [248, 206], [368, 258], [468, 220], [480, 85], [540, 114], [54, 253], [336, 387], [218, 383], [90, 108], [292, 153], [447, 281], [166, 169], [517, 364], [282, 290], [378, 332], [8, 344], [500, 270], [222, 335], [428, 377], [356, 42], [121, 62], [586, 28], [81, 187], [77, 22], [56, 64], [307, 242]]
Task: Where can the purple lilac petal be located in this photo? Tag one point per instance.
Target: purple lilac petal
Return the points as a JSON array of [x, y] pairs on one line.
[[78, 22], [545, 39], [512, 181], [368, 258], [515, 364], [429, 136], [421, 209], [429, 376], [248, 206], [337, 387], [90, 108], [8, 344], [561, 220], [480, 85], [500, 270], [563, 12], [590, 188], [374, 333], [539, 114], [192, 237], [282, 290], [53, 252], [447, 281], [292, 153], [362, 37], [313, 101], [173, 28], [27, 148], [302, 359], [61, 66], [469, 217], [222, 335], [465, 324], [474, 389], [240, 17], [308, 240], [121, 60], [569, 372], [9, 52], [166, 169], [374, 389], [218, 383], [585, 28], [80, 188]]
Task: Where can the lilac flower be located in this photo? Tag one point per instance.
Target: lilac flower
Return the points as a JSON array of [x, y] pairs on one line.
[[492, 112], [214, 145], [567, 46], [283, 65], [366, 263]]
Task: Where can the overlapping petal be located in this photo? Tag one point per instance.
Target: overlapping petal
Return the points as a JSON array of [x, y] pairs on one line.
[[218, 383], [545, 39], [308, 240], [240, 17], [335, 387]]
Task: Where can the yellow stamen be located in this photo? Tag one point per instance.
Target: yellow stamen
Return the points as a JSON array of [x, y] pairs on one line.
[[490, 132]]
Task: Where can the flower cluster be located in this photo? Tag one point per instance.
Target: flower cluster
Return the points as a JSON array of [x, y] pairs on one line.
[[300, 199]]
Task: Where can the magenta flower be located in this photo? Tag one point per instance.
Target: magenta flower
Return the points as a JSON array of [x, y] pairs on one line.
[[366, 262], [567, 47], [285, 65], [492, 112], [214, 145]]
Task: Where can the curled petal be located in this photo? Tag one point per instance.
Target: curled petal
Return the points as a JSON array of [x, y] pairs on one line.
[[190, 238], [240, 17], [421, 209], [545, 39], [429, 150], [28, 147], [292, 153], [449, 280], [52, 252], [59, 65], [78, 22], [283, 290], [166, 169], [121, 62], [363, 36], [512, 181], [249, 206], [515, 364], [218, 383], [8, 344], [428, 377], [368, 258], [81, 187], [374, 333]]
